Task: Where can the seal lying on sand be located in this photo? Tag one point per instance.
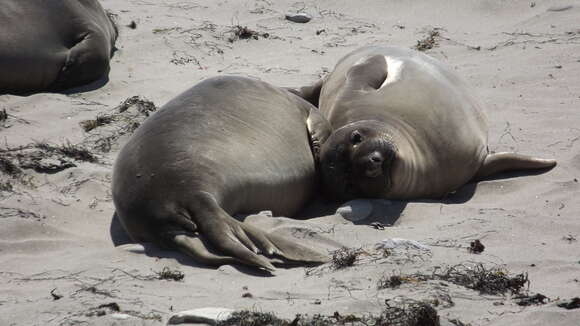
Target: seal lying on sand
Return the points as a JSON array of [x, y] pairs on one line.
[[406, 126], [227, 145], [53, 45]]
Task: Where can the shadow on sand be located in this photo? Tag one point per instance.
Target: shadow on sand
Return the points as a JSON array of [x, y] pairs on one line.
[[120, 238], [385, 212], [69, 91]]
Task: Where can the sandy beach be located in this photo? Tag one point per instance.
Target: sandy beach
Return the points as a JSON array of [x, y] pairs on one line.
[[65, 261]]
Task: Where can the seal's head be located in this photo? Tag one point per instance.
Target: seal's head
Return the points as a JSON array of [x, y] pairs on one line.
[[357, 160]]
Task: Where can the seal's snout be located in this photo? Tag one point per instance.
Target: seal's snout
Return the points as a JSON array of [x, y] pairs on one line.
[[356, 161], [374, 164], [370, 158]]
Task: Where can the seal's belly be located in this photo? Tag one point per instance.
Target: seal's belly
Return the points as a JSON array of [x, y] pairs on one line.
[[447, 129]]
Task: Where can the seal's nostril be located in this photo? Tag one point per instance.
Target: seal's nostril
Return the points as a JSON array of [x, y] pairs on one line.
[[376, 158]]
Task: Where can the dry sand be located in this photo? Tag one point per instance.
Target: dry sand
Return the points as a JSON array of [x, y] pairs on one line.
[[523, 58]]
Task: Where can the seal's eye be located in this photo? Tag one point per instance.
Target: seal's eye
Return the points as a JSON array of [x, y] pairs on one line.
[[355, 137]]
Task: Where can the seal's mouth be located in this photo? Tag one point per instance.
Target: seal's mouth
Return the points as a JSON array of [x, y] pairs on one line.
[[357, 163]]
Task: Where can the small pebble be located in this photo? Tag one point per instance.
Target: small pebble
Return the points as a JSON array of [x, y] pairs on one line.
[[299, 17]]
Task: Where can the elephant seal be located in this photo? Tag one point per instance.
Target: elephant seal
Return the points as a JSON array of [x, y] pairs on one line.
[[53, 44], [405, 127], [227, 145]]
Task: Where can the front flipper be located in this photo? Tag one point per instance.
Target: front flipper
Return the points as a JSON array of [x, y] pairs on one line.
[[309, 93], [235, 241], [86, 61], [504, 161], [369, 74], [319, 129]]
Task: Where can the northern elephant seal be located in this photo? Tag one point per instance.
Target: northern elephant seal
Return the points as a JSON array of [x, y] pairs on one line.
[[227, 145], [53, 44], [406, 126]]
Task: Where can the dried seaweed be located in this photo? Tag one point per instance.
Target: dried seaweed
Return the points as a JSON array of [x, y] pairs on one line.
[[99, 121], [244, 33], [476, 247], [253, 318], [6, 186], [493, 280], [344, 257], [55, 296], [103, 309], [106, 129], [76, 152], [390, 282], [42, 157], [144, 106], [409, 313], [528, 300], [168, 274], [573, 303], [429, 42], [9, 168]]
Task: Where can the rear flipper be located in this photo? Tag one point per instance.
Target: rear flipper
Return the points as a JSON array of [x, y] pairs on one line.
[[221, 239], [291, 253], [504, 161], [294, 252], [194, 247]]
